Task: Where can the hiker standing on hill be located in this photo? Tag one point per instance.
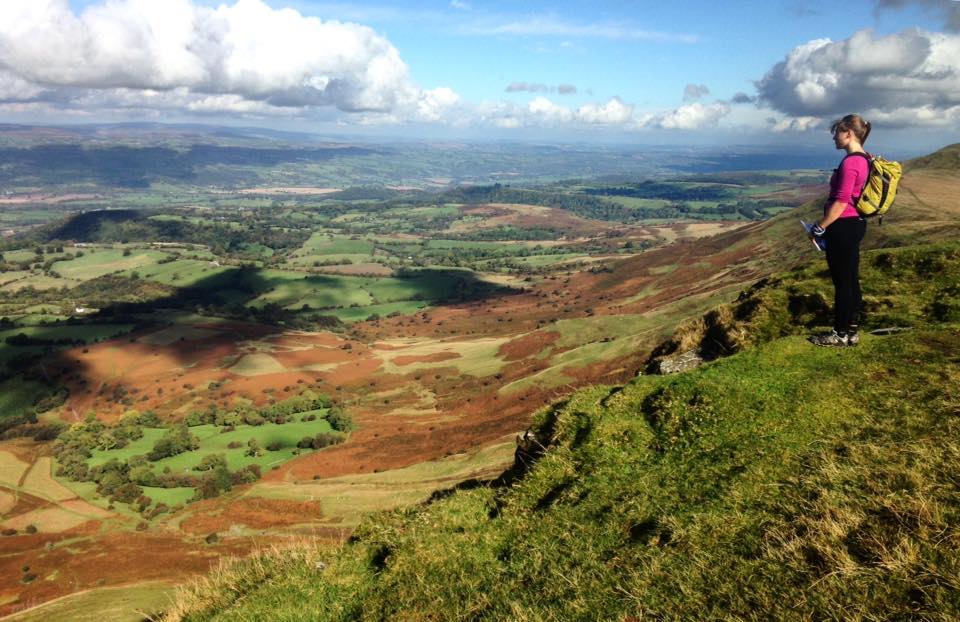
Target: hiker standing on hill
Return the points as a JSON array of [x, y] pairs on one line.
[[843, 229]]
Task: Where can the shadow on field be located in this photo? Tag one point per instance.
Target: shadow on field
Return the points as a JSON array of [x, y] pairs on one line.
[[38, 361]]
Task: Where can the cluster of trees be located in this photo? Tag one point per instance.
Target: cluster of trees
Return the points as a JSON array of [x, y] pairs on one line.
[[507, 233], [75, 445], [123, 480], [278, 413], [174, 441], [24, 423]]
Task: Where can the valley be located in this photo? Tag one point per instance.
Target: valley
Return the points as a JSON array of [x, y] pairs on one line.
[[437, 322]]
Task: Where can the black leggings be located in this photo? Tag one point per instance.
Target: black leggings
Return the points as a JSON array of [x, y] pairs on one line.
[[843, 256]]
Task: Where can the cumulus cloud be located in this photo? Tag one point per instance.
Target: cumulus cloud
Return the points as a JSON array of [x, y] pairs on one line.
[[743, 98], [908, 78], [13, 88], [542, 112], [434, 104], [695, 116], [546, 112], [149, 58], [794, 124], [244, 56], [614, 112], [693, 92]]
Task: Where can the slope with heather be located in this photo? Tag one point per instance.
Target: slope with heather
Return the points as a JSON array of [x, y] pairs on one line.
[[781, 482]]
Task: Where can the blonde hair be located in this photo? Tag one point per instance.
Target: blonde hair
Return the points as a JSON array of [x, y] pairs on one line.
[[854, 123]]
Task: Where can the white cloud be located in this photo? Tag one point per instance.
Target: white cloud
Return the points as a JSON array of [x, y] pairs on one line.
[[435, 104], [694, 116], [544, 111], [908, 78], [14, 88], [795, 124], [240, 57], [614, 112]]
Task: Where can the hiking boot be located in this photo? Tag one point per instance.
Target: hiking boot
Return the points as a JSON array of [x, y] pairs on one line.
[[834, 339]]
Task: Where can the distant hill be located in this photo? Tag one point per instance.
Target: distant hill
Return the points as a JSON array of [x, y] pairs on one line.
[[123, 166], [145, 133], [947, 159], [782, 482]]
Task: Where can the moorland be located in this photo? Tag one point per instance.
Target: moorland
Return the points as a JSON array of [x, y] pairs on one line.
[[214, 344]]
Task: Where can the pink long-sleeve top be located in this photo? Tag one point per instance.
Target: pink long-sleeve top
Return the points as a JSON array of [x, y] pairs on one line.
[[846, 184]]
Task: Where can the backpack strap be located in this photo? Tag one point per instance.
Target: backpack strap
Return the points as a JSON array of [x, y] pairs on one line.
[[864, 155], [869, 159]]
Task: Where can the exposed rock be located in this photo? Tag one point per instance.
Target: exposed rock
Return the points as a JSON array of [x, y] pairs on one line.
[[677, 363]]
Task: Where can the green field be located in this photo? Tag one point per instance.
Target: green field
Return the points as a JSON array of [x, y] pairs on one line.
[[359, 314], [213, 441], [18, 395], [97, 262], [357, 296], [170, 496], [39, 281], [86, 333], [181, 273], [640, 203], [293, 290]]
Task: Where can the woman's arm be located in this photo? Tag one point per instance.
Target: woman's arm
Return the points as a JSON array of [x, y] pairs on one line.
[[833, 212]]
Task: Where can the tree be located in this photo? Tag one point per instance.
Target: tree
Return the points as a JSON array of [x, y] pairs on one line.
[[176, 440], [127, 493], [340, 421], [253, 448], [211, 462]]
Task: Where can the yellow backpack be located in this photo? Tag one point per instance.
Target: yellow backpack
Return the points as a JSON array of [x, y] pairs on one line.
[[880, 188]]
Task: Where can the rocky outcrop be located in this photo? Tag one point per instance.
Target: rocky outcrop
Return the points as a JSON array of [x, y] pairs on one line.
[[677, 363]]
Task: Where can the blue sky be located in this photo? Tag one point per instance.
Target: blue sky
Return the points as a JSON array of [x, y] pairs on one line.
[[665, 72], [726, 46]]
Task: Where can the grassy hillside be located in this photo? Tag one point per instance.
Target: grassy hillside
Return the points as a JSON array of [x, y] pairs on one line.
[[783, 482]]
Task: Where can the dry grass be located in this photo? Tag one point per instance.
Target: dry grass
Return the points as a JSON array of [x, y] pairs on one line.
[[11, 469], [233, 577], [39, 482]]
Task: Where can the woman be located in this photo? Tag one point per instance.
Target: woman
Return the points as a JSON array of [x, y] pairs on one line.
[[843, 229]]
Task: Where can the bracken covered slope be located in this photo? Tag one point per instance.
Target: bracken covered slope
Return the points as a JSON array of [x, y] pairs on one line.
[[783, 482]]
